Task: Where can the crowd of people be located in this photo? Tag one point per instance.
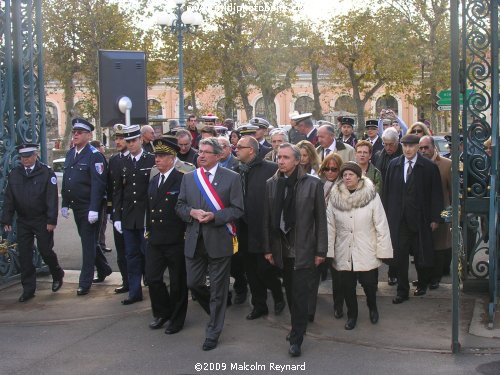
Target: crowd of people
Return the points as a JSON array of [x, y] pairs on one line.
[[213, 202]]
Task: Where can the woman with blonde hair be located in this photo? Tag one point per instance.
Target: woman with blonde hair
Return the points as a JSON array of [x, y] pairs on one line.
[[309, 158], [419, 129]]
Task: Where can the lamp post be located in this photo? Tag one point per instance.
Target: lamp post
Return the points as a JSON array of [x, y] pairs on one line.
[[179, 23]]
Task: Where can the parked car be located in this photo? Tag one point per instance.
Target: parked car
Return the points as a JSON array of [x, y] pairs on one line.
[[442, 145], [58, 166]]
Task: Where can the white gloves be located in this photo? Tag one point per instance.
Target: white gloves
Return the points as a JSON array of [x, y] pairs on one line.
[[65, 212], [118, 226], [93, 216], [109, 218]]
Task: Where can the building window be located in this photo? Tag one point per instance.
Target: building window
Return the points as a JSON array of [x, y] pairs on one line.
[[154, 108], [345, 103], [304, 104], [386, 102], [259, 109]]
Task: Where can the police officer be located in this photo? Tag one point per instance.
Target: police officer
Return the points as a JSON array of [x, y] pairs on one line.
[[84, 191], [166, 242], [129, 208], [32, 192], [114, 173]]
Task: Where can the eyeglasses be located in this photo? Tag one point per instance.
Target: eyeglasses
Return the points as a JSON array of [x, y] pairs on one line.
[[417, 131], [242, 147], [330, 169], [78, 132]]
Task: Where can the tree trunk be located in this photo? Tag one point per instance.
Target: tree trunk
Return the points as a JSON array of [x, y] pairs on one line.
[[243, 92], [318, 112], [69, 103], [269, 107], [192, 96]]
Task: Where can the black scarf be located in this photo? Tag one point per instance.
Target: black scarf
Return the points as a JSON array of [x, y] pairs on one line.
[[286, 204]]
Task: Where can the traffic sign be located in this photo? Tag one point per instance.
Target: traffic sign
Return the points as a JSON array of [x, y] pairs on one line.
[[445, 97], [448, 107]]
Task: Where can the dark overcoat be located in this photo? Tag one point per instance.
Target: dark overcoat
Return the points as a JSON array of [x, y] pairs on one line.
[[429, 201]]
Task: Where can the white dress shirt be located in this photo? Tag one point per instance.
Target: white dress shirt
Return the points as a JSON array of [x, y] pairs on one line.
[[412, 165]]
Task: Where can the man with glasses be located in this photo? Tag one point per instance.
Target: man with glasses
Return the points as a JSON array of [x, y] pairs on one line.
[[84, 191], [227, 160], [129, 202], [208, 245]]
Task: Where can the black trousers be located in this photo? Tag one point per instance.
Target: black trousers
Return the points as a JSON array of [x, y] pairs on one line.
[[407, 238], [121, 259], [314, 285], [439, 265], [337, 291], [26, 234], [297, 288], [171, 305], [214, 299], [393, 272], [240, 285], [348, 282], [92, 255], [262, 276]]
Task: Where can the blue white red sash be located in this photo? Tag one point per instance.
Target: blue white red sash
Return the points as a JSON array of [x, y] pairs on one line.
[[211, 197]]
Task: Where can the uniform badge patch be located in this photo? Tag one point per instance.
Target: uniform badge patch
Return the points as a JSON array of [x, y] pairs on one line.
[[99, 167], [53, 180]]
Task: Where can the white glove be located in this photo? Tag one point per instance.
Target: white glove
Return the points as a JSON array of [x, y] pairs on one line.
[[65, 212], [93, 216], [109, 218], [118, 226]]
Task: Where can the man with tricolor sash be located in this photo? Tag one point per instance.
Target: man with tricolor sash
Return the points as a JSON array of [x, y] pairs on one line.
[[210, 202]]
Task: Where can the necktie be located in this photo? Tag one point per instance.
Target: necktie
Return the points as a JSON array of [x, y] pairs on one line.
[[28, 171], [134, 161], [76, 153], [207, 173], [409, 170], [327, 151], [162, 180]]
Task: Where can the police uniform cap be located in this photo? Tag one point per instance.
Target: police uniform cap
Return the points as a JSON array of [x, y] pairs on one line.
[[410, 139], [247, 129], [131, 132], [260, 122], [220, 129], [27, 149], [165, 146], [210, 118], [301, 117], [347, 121], [371, 124], [118, 129], [82, 124]]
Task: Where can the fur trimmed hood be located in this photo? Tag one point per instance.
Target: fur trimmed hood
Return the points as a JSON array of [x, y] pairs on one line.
[[341, 199]]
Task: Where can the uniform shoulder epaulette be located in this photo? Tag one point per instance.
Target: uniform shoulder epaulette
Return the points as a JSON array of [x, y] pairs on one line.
[[93, 149]]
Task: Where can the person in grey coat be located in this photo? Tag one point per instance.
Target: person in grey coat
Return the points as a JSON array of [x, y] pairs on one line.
[[208, 245]]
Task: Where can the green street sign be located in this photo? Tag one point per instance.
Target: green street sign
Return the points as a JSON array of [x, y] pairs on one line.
[[445, 97]]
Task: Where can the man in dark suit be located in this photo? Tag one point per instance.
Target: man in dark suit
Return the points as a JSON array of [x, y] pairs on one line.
[[261, 274], [250, 130], [413, 200], [209, 234], [186, 152], [114, 173], [84, 191], [165, 232], [305, 126], [129, 203], [371, 127], [260, 134], [31, 192], [347, 135]]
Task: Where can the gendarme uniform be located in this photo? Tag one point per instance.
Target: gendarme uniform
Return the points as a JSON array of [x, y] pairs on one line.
[[84, 191], [32, 194], [129, 208]]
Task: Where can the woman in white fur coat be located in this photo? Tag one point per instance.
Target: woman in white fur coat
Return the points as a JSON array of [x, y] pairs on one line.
[[358, 238]]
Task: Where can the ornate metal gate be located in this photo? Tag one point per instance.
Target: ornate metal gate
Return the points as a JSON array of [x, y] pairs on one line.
[[22, 96], [475, 207]]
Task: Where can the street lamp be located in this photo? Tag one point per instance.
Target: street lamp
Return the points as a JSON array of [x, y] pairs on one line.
[[179, 23]]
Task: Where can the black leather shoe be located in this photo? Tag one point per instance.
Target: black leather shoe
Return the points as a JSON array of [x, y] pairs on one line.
[[433, 286], [26, 297], [255, 314], [374, 316], [240, 298], [351, 323], [279, 307], [392, 281], [414, 283], [399, 299], [100, 278], [57, 284], [338, 314], [420, 292], [209, 344], [130, 301], [157, 323], [172, 330], [294, 350], [82, 291], [121, 289]]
